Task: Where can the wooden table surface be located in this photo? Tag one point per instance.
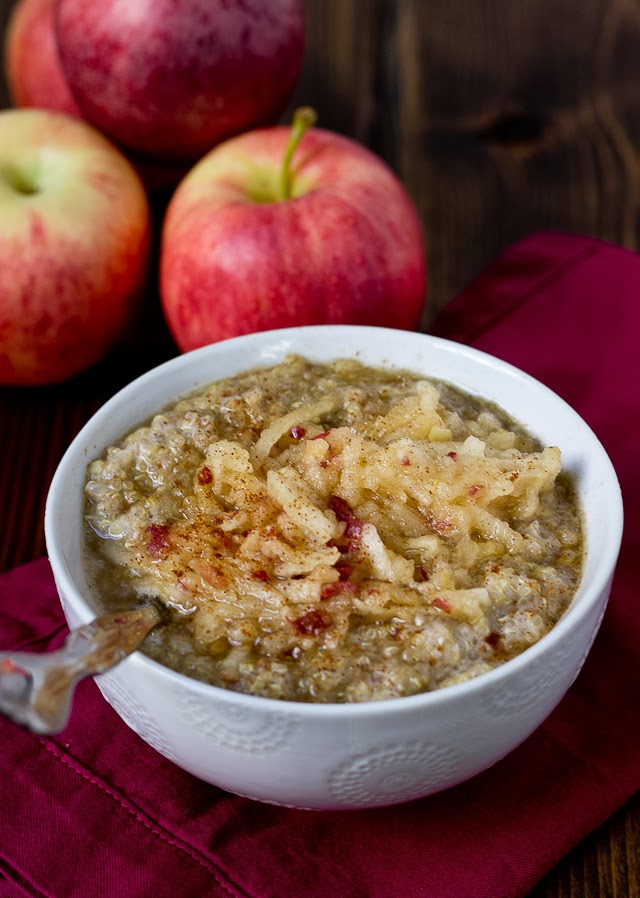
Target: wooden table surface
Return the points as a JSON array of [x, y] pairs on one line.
[[502, 118]]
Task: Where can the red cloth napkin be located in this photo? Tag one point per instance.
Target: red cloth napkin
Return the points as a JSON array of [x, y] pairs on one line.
[[96, 812]]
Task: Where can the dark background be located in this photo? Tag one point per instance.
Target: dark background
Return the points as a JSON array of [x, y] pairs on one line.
[[502, 117]]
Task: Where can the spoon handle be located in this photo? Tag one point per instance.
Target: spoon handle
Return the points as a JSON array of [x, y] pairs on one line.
[[36, 689]]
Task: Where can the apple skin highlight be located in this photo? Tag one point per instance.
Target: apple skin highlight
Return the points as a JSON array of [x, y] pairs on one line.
[[346, 248], [171, 80]]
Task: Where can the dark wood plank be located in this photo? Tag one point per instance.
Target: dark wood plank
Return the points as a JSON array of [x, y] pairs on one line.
[[516, 117]]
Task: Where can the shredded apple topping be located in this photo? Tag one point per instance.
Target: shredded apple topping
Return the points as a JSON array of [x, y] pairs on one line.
[[335, 533]]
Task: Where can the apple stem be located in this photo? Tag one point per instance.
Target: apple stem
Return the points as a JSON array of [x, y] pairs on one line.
[[303, 118]]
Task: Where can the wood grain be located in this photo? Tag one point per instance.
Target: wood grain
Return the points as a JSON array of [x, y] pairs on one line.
[[502, 118]]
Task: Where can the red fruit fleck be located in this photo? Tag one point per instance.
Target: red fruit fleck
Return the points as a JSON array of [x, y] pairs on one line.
[[354, 532], [452, 455], [435, 524], [321, 436], [345, 570], [424, 573], [475, 489], [204, 475], [223, 538], [261, 575], [405, 462], [341, 508], [329, 590], [442, 604], [313, 622], [354, 524], [324, 463], [297, 432], [157, 542]]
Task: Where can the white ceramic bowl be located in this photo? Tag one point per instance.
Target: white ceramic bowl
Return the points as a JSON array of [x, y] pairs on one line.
[[357, 755]]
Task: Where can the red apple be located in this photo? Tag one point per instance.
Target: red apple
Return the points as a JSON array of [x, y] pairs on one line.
[[75, 228], [171, 78], [250, 244], [36, 80], [32, 67]]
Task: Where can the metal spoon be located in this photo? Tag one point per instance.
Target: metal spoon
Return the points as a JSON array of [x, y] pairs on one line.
[[36, 689]]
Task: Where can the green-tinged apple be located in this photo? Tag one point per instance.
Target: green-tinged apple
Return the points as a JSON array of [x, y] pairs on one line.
[[171, 78], [265, 232], [75, 229]]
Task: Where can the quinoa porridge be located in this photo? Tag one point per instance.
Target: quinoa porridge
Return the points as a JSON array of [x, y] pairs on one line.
[[334, 533]]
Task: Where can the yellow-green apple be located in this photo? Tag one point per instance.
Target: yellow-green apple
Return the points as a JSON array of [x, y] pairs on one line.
[[35, 80], [75, 229], [264, 233], [171, 78]]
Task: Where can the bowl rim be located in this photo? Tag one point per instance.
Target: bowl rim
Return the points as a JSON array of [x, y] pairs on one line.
[[588, 593]]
